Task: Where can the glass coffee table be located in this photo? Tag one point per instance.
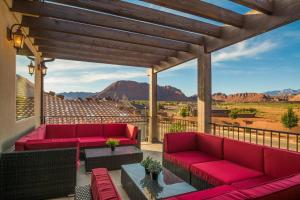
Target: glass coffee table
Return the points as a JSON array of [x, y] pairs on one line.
[[112, 160], [140, 186]]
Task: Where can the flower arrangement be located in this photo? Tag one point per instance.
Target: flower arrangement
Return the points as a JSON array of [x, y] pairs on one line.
[[112, 143], [145, 163]]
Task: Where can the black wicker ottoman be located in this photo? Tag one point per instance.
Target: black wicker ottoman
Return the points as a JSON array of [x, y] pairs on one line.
[[112, 160]]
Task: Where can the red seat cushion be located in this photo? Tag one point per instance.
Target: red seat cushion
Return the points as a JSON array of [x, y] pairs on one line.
[[178, 142], [205, 194], [125, 141], [92, 141], [102, 186], [222, 172], [37, 134], [246, 154], [281, 163], [60, 131], [114, 130], [210, 144], [131, 131], [187, 158], [89, 130], [234, 195], [248, 183]]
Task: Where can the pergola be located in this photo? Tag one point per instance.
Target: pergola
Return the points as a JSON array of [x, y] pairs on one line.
[[118, 32]]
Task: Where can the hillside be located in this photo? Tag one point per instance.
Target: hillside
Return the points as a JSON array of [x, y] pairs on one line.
[[132, 90], [284, 92], [76, 95]]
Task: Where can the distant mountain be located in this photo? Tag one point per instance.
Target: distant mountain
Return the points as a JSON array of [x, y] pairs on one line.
[[132, 90], [283, 92], [76, 95]]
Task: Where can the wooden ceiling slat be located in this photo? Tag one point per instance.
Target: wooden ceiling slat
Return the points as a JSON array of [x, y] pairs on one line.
[[138, 12], [202, 9], [98, 42], [264, 6], [105, 20], [101, 32], [95, 49]]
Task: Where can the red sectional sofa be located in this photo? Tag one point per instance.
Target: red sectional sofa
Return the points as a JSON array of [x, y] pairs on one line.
[[228, 169], [86, 135]]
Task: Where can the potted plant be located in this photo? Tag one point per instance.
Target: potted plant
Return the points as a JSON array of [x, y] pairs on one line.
[[145, 163], [155, 168], [112, 143]]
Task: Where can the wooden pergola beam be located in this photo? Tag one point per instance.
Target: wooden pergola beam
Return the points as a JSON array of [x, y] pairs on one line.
[[202, 9], [138, 12], [85, 58], [94, 49], [105, 20], [101, 32], [264, 6], [95, 55], [99, 42], [284, 12]]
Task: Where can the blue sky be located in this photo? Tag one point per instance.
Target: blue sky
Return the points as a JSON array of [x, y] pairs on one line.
[[267, 62]]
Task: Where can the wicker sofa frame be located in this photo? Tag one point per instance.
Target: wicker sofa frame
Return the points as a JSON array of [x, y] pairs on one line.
[[38, 174]]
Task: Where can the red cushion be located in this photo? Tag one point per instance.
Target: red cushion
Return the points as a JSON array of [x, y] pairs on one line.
[[89, 130], [114, 130], [234, 195], [205, 194], [280, 163], [125, 141], [177, 142], [248, 183], [37, 134], [242, 153], [92, 141], [286, 188], [222, 172], [187, 158], [60, 131], [210, 144], [131, 131], [102, 186]]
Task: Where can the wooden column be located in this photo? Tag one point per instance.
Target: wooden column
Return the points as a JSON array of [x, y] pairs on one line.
[[204, 90], [153, 133]]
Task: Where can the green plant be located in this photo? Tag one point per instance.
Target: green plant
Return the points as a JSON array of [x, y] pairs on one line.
[[184, 112], [177, 127], [155, 167], [112, 142], [146, 162], [289, 119], [233, 114]]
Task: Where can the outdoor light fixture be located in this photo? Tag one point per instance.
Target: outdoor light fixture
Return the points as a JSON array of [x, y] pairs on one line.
[[44, 69], [31, 68], [16, 34]]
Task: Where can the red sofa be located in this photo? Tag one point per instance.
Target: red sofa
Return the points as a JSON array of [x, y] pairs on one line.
[[86, 135], [228, 169]]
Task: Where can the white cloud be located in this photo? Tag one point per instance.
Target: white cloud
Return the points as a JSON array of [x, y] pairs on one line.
[[243, 49]]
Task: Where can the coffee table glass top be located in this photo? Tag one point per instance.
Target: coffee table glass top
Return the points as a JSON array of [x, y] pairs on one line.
[[167, 185], [121, 150]]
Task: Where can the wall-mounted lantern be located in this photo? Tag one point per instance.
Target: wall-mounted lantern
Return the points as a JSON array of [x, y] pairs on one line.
[[16, 34], [31, 68], [44, 69]]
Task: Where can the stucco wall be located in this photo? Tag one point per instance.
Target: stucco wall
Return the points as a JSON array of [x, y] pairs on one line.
[[10, 129]]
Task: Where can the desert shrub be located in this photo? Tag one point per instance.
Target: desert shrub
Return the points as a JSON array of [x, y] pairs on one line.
[[289, 119], [184, 112], [176, 127], [233, 114]]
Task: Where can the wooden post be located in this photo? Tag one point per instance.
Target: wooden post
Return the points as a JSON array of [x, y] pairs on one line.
[[153, 133], [204, 90]]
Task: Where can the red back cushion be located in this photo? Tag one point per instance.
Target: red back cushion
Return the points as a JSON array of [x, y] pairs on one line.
[[210, 144], [89, 130], [114, 130], [178, 142], [131, 131], [60, 131], [51, 143], [280, 163], [246, 154], [41, 131]]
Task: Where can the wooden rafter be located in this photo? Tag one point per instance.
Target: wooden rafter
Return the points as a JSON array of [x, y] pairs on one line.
[[264, 6], [101, 32], [98, 42], [137, 12], [105, 20], [202, 9]]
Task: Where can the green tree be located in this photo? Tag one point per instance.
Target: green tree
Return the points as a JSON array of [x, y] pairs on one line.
[[289, 119], [184, 112], [233, 114]]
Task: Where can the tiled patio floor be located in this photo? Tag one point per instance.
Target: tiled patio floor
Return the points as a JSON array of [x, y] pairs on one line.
[[153, 150]]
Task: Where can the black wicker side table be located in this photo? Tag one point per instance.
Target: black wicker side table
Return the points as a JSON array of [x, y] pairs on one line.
[[140, 186], [112, 160]]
